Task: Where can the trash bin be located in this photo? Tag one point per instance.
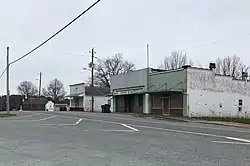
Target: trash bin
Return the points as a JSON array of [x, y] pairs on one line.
[[105, 108]]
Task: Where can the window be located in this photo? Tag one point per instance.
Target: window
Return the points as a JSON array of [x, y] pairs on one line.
[[120, 101], [156, 101]]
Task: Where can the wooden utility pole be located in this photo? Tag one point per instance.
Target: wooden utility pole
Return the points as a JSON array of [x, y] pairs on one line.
[[40, 83], [7, 84], [92, 78]]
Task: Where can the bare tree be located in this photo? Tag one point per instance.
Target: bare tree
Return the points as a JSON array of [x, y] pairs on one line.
[[27, 88], [231, 66], [55, 90], [176, 60], [110, 66]]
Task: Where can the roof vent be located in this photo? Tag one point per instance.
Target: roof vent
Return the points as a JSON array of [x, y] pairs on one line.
[[212, 66], [186, 66]]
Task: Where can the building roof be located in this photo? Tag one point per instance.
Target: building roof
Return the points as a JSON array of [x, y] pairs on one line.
[[75, 95], [35, 101], [77, 84], [96, 91]]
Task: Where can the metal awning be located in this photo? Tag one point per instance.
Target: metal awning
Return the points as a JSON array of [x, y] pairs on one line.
[[75, 95]]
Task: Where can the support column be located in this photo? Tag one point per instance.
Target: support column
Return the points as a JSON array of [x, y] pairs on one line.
[[185, 105], [113, 104], [147, 103]]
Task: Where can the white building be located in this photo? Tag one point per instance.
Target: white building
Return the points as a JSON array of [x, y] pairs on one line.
[[188, 91], [81, 97], [49, 106]]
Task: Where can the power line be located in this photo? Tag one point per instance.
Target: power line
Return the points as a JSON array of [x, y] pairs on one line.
[[3, 73], [217, 42], [55, 33]]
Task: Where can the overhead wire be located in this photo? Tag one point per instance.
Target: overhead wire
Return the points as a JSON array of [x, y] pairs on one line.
[[3, 72], [51, 37], [55, 34]]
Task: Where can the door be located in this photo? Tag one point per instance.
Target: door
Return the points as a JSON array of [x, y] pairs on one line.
[[165, 106]]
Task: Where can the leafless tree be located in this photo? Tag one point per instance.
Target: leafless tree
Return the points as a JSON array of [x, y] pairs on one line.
[[55, 90], [176, 60], [27, 88], [231, 66], [105, 68]]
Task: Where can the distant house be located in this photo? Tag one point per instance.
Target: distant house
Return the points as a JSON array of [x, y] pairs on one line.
[[49, 106], [34, 103], [81, 97]]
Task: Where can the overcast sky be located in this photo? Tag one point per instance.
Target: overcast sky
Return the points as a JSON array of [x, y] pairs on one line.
[[124, 26]]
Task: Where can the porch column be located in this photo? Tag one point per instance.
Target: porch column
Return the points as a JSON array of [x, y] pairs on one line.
[[185, 105], [147, 103], [113, 104], [70, 104]]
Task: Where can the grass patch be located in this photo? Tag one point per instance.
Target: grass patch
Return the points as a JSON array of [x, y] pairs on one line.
[[6, 115], [226, 119]]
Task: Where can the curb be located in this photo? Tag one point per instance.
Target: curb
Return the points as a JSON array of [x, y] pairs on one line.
[[238, 125], [171, 118]]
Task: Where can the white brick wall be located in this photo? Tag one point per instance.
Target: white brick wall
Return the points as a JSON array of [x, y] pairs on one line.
[[215, 95], [98, 101]]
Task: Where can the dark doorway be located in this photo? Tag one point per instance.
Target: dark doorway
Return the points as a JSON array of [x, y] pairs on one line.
[[165, 106], [128, 101]]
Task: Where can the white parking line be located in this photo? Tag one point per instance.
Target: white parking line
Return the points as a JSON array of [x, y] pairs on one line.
[[134, 129], [238, 139], [59, 124], [119, 130], [235, 143], [78, 121], [51, 117]]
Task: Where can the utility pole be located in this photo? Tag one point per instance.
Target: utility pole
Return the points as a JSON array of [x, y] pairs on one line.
[[40, 83], [54, 97], [7, 84], [92, 78], [148, 72]]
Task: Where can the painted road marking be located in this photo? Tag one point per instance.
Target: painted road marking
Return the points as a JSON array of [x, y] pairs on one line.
[[235, 143], [59, 124], [238, 139], [119, 130], [78, 121], [50, 117], [132, 128]]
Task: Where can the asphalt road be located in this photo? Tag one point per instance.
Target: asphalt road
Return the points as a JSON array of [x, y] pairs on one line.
[[95, 139]]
